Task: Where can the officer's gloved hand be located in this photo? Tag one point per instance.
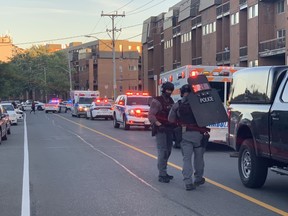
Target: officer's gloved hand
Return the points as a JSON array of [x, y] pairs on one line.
[[161, 129]]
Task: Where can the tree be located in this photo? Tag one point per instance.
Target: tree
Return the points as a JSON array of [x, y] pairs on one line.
[[39, 73]]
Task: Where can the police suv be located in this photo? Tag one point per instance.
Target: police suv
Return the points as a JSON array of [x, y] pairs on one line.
[[132, 109]]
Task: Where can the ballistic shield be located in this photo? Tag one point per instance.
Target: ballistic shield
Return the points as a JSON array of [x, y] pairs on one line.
[[205, 102]]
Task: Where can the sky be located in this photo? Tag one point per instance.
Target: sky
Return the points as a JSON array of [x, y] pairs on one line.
[[37, 22]]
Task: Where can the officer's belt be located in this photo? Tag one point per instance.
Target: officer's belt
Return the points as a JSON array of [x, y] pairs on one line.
[[191, 127]]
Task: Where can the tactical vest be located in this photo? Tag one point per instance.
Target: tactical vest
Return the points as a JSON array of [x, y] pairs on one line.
[[185, 113], [162, 115]]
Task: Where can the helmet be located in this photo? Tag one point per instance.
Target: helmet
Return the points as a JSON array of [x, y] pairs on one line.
[[167, 86], [185, 88]]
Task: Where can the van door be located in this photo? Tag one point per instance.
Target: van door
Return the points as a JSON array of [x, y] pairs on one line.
[[279, 124]]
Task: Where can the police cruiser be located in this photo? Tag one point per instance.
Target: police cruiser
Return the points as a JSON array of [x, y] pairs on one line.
[[100, 108], [132, 109]]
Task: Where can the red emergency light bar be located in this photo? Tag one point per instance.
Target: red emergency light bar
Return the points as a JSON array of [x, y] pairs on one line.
[[170, 78], [137, 93], [193, 73]]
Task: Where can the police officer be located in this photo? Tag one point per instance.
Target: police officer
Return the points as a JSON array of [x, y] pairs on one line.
[[191, 140], [158, 116]]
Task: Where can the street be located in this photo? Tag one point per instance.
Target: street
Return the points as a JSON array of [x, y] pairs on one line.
[[83, 167]]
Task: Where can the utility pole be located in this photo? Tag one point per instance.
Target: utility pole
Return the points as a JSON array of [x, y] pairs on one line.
[[113, 30], [69, 70]]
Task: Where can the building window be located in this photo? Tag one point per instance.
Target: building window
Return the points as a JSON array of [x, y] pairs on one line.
[[129, 47], [132, 68], [138, 49], [235, 18], [253, 11], [253, 63], [281, 33], [120, 47], [280, 6]]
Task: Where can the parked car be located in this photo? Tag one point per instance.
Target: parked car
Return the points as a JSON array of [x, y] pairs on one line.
[[100, 108], [4, 124], [19, 114], [11, 111]]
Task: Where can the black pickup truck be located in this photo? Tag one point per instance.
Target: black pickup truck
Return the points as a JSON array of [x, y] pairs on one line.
[[258, 122]]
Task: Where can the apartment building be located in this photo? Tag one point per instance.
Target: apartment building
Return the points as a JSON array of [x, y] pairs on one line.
[[93, 68], [243, 33], [7, 49]]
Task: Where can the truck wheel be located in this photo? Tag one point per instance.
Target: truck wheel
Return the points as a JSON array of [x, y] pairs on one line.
[[252, 169], [126, 126], [115, 123]]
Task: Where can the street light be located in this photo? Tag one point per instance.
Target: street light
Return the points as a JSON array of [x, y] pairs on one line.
[[114, 62]]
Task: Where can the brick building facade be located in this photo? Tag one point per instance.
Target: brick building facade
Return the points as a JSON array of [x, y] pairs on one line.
[[8, 49], [93, 66], [242, 33]]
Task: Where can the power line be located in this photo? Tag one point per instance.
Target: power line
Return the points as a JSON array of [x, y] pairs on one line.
[[125, 5], [140, 7], [145, 8]]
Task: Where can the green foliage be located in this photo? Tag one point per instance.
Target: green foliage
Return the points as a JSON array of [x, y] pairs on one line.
[[36, 70]]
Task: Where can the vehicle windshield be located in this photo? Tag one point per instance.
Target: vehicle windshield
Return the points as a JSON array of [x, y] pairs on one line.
[[8, 107], [85, 100], [138, 100]]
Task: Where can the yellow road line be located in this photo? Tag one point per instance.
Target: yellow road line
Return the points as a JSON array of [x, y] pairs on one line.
[[242, 195]]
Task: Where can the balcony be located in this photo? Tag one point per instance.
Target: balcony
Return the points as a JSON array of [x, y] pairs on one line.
[[242, 4], [243, 52], [272, 47], [150, 45], [197, 61], [223, 58], [151, 73], [196, 22], [223, 10], [176, 31]]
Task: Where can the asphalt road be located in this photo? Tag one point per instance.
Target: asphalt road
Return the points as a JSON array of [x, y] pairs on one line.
[[82, 167]]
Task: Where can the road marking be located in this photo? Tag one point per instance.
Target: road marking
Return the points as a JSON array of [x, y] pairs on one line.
[[235, 192], [113, 159], [25, 209]]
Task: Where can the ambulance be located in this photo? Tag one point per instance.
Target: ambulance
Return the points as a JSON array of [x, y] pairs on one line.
[[81, 101], [219, 78]]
